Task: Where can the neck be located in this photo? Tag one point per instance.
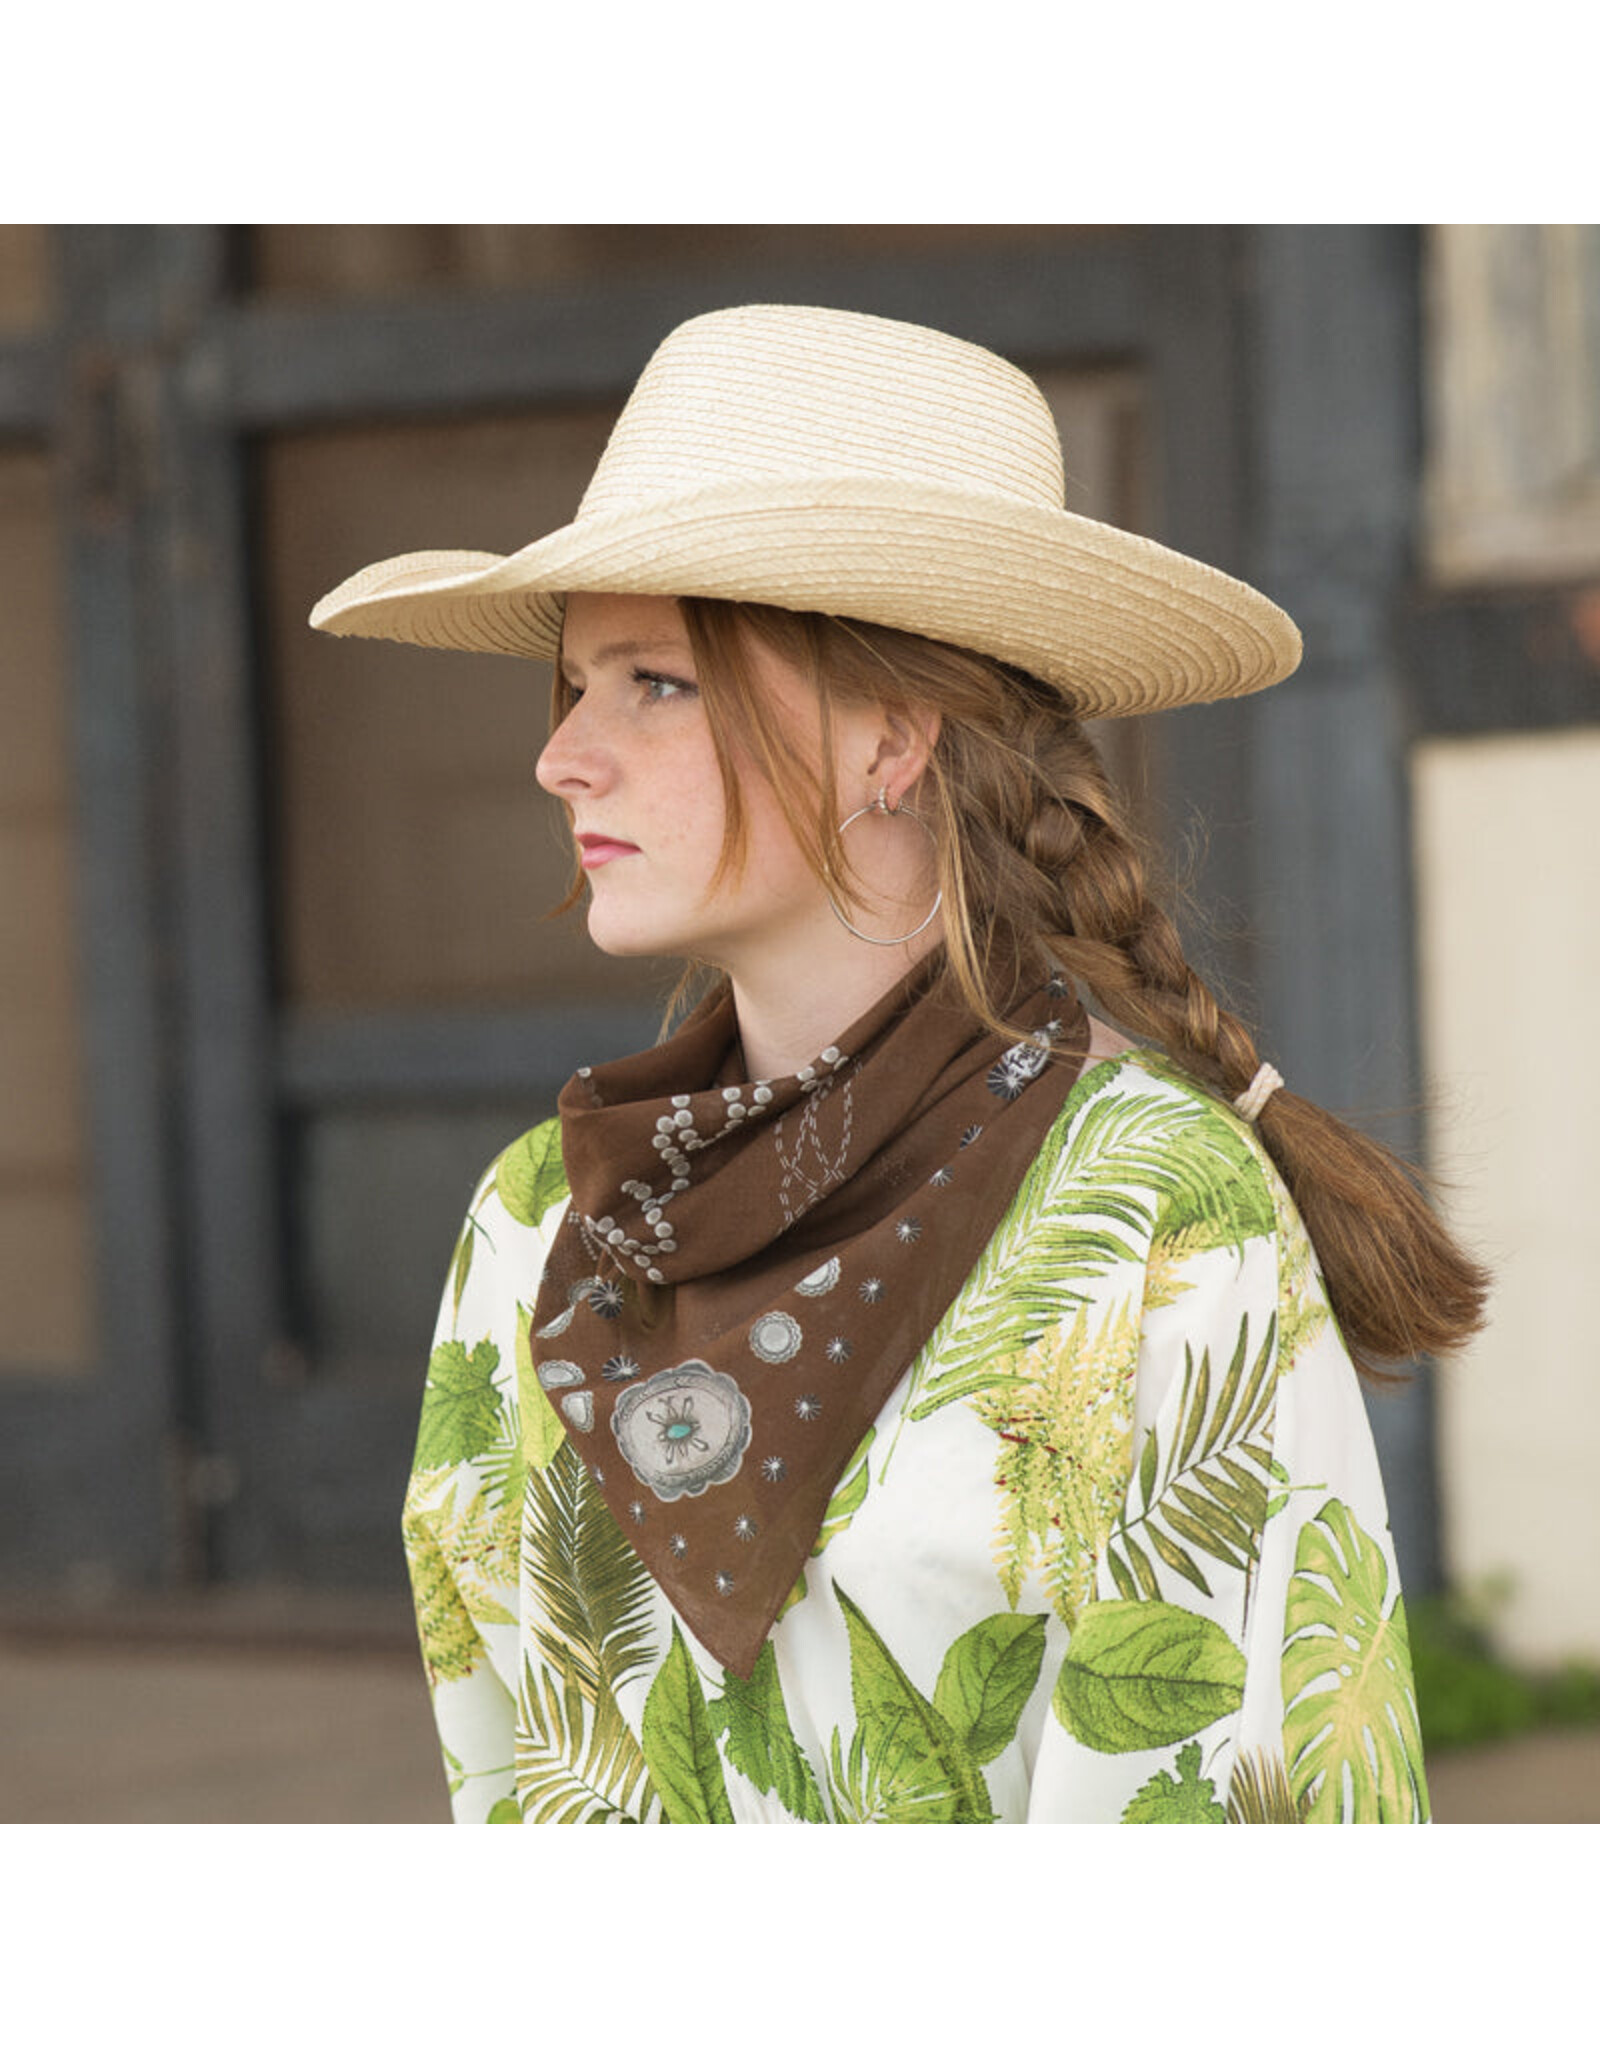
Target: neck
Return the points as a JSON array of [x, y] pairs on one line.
[[786, 1019]]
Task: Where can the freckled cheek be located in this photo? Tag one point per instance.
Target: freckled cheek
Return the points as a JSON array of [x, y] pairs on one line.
[[682, 846], [774, 850]]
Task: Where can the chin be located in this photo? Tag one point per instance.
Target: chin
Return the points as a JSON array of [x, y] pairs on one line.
[[624, 945], [621, 940]]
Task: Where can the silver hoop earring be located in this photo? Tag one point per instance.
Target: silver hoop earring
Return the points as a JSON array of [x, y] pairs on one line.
[[880, 806]]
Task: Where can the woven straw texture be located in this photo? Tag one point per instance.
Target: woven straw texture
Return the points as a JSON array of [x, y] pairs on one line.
[[836, 462]]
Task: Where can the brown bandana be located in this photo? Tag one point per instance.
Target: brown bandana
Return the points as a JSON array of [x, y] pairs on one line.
[[749, 1267]]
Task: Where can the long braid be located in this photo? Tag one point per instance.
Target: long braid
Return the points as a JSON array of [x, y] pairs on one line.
[[1399, 1284], [1038, 868]]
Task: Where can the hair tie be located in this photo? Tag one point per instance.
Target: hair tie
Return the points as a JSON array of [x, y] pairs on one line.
[[1265, 1082]]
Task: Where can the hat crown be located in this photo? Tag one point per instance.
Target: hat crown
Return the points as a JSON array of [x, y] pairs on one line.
[[802, 392]]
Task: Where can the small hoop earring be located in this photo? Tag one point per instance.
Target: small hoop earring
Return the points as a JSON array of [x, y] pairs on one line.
[[880, 807]]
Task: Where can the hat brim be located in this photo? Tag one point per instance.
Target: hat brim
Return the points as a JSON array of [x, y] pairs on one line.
[[1119, 623]]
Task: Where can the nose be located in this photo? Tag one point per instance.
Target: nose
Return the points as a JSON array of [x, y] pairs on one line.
[[574, 760]]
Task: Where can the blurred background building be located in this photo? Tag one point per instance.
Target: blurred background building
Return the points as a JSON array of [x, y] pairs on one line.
[[275, 982]]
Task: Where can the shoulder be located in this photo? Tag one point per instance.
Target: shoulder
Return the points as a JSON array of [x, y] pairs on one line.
[[1136, 1100], [529, 1178], [516, 1209], [1138, 1133]]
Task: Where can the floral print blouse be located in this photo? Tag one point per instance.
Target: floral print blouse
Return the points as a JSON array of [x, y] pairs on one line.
[[1115, 1550]]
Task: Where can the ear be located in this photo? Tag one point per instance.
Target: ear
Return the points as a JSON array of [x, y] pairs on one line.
[[905, 740]]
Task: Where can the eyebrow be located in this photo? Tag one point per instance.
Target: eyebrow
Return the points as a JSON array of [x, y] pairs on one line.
[[623, 650]]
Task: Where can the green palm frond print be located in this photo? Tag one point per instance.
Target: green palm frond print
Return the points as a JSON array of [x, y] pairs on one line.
[[1203, 1493], [1116, 1550], [1129, 1168], [1260, 1795], [576, 1757], [585, 1578]]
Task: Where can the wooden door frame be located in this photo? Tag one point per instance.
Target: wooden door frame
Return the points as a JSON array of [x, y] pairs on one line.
[[92, 1462]]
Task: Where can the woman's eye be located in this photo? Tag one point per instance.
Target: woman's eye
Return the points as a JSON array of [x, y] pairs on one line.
[[659, 688]]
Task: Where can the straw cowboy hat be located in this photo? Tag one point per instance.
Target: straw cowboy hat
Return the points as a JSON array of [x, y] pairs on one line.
[[836, 462]]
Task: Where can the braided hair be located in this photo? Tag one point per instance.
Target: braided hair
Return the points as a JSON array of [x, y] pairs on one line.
[[1041, 869]]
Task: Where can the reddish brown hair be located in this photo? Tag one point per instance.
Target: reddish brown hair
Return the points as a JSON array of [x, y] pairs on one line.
[[1040, 868]]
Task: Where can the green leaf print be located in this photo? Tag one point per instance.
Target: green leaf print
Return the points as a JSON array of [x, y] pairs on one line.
[[847, 1496], [679, 1747], [892, 1779], [461, 1264], [1065, 1427], [460, 1405], [542, 1433], [1303, 1310], [898, 1726], [576, 1758], [1139, 1674], [1259, 1792], [1220, 1207], [587, 1578], [530, 1175], [502, 1466], [466, 1245], [1184, 1800], [1121, 1168], [504, 1813], [986, 1680], [451, 1645], [761, 1744], [1060, 1234], [1202, 1493], [1350, 1722]]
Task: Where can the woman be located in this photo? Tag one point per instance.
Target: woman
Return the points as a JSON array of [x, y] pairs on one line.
[[897, 1396]]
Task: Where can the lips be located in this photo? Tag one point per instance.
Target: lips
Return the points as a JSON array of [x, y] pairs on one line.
[[595, 849]]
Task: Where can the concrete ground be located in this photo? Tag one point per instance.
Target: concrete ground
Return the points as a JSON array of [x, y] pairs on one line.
[[236, 1707], [261, 1712]]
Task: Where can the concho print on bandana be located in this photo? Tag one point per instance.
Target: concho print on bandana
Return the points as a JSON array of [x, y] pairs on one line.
[[747, 1268]]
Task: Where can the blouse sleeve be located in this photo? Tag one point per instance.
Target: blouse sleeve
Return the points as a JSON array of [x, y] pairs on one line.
[[463, 1509], [472, 1708], [1244, 1654]]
